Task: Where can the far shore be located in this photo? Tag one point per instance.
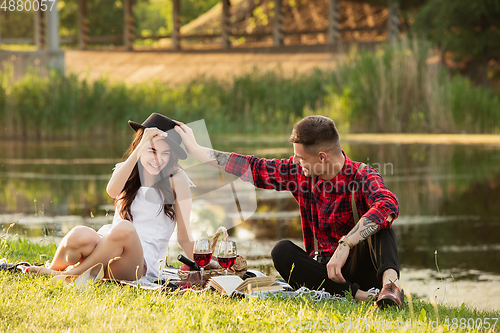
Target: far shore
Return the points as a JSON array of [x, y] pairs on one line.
[[368, 138], [441, 139], [378, 138]]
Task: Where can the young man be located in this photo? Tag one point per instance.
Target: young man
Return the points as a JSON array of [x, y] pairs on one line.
[[352, 256]]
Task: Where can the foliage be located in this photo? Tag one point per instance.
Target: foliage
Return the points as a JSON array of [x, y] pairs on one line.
[[63, 105], [106, 17], [467, 28], [392, 90], [396, 90], [68, 17], [153, 17], [22, 249], [467, 102], [191, 9], [405, 5], [400, 91], [16, 24]]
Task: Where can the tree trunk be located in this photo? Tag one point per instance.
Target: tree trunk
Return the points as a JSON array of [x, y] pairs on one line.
[[477, 71]]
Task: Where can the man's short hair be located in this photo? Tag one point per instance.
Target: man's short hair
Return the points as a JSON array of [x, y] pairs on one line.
[[316, 133]]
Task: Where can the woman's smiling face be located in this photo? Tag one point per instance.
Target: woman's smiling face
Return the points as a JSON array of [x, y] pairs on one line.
[[155, 157]]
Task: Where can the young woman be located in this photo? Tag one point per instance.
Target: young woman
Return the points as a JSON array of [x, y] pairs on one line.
[[152, 195]]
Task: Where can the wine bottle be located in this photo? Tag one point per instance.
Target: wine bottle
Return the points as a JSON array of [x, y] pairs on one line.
[[192, 265]]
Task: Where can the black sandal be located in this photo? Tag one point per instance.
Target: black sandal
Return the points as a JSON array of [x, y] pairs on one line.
[[12, 267]]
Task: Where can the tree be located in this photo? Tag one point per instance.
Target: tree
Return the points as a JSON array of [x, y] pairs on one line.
[[470, 30], [106, 17], [16, 24]]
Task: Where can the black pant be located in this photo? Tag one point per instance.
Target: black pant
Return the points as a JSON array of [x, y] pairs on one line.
[[363, 268]]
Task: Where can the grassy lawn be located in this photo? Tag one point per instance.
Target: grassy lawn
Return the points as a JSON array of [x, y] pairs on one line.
[[35, 304]]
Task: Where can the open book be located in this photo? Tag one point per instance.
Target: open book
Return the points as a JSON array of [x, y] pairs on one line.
[[229, 283]]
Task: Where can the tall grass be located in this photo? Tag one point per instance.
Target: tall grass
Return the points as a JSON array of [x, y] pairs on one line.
[[394, 89], [61, 105], [398, 89]]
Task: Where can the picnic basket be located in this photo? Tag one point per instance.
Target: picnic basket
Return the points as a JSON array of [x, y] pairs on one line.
[[214, 269]]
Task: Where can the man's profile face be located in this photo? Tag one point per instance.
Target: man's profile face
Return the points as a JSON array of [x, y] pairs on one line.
[[311, 164]]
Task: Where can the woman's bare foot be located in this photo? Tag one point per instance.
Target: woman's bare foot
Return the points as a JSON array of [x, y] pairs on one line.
[[40, 270], [364, 296]]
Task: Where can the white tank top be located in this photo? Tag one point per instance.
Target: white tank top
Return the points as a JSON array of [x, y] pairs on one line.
[[153, 227]]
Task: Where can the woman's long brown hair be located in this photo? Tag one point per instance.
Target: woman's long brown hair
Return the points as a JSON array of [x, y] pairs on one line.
[[124, 200]]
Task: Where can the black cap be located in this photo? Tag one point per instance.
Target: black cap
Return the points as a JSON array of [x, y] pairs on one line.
[[167, 125]]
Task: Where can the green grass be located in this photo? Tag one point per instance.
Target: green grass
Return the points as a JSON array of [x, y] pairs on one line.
[[18, 47], [34, 304], [391, 90]]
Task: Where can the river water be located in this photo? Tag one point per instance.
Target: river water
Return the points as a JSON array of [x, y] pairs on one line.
[[448, 229]]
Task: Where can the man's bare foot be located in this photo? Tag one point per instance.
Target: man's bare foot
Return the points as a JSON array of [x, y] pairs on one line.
[[40, 270]]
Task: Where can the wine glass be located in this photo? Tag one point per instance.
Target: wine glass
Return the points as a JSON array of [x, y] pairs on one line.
[[202, 253], [227, 254]]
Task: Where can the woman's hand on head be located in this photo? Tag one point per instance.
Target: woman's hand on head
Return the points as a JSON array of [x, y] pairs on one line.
[[187, 136], [150, 133], [122, 173]]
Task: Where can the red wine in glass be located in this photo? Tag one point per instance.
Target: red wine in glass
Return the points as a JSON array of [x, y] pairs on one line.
[[202, 253], [227, 254], [226, 261], [202, 258]]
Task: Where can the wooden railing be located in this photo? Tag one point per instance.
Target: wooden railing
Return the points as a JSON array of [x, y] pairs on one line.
[[278, 33], [118, 39]]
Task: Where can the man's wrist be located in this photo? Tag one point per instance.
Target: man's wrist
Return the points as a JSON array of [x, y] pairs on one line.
[[345, 240]]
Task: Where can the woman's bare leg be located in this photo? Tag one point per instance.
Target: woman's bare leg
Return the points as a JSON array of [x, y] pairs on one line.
[[74, 247], [121, 241]]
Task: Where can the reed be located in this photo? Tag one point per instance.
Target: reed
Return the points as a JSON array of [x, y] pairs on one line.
[[400, 89], [394, 89]]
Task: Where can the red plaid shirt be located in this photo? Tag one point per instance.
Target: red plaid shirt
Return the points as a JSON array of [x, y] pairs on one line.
[[325, 206]]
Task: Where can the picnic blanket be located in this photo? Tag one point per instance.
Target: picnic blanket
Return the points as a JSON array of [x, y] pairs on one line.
[[169, 277]]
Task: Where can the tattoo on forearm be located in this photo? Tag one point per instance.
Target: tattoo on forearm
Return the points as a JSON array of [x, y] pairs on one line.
[[353, 231], [366, 221], [211, 153], [337, 249], [219, 156], [369, 230]]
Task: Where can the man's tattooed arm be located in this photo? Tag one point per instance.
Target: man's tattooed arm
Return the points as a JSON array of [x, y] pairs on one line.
[[353, 231], [368, 231], [369, 227], [363, 229], [335, 254], [220, 157]]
